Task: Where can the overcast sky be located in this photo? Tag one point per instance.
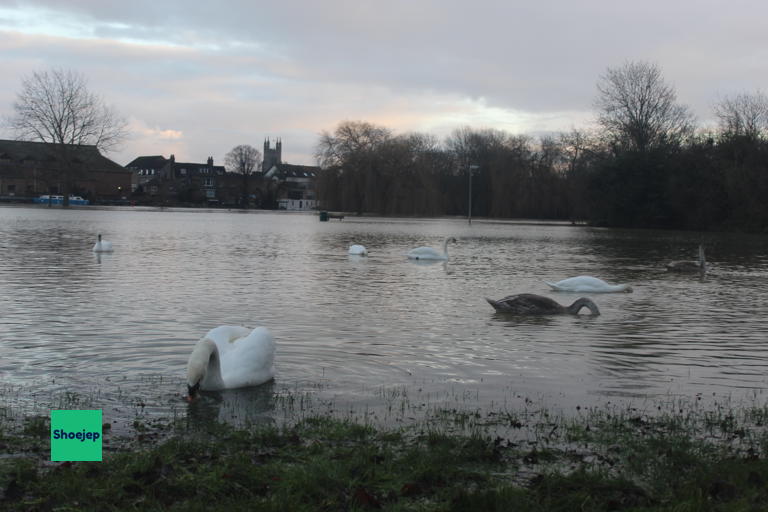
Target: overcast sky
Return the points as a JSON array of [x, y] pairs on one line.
[[197, 78]]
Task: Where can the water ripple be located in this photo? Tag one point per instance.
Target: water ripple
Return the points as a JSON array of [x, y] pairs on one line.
[[74, 320]]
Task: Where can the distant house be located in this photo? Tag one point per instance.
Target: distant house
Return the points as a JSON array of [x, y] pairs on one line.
[[161, 179], [30, 169], [295, 186], [157, 179], [144, 169]]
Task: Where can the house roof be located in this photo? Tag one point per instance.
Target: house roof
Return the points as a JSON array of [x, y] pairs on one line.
[[293, 171], [86, 155], [147, 162], [196, 168]]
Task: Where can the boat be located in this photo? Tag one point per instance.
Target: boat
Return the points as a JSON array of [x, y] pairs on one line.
[[49, 199]]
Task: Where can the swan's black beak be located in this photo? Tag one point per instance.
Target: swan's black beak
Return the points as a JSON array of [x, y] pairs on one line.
[[192, 390]]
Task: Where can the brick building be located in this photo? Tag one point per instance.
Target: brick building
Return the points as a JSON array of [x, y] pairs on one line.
[[157, 179], [30, 169]]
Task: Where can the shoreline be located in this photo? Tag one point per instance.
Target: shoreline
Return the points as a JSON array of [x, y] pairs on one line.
[[455, 460]]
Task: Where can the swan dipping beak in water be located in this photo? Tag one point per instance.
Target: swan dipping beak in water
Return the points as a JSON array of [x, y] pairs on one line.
[[357, 250], [229, 357], [531, 304], [428, 253]]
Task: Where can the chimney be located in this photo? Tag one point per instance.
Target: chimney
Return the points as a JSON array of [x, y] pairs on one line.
[[170, 171], [210, 161]]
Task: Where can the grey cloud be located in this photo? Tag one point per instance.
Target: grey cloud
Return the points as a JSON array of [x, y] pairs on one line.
[[294, 58]]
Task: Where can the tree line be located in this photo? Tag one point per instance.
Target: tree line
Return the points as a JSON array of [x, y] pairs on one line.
[[646, 165]]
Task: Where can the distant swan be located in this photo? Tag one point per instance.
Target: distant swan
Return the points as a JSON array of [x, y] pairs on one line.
[[689, 266], [530, 304], [358, 250], [102, 245], [231, 357], [428, 253], [588, 284]]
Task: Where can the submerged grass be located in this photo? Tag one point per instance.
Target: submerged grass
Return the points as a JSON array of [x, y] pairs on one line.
[[679, 459]]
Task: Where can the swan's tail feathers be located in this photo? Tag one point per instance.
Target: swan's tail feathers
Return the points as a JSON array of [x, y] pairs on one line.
[[552, 285], [493, 303]]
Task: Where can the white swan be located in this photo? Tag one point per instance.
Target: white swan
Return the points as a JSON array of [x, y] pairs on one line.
[[428, 253], [231, 357], [102, 245], [689, 266], [588, 284], [358, 250]]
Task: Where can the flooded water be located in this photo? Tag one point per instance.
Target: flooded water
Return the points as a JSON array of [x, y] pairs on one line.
[[118, 328]]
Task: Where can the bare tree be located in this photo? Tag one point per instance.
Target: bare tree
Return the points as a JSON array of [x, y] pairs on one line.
[[350, 138], [474, 146], [638, 109], [245, 160], [56, 107], [471, 147], [743, 115], [352, 154], [580, 148]]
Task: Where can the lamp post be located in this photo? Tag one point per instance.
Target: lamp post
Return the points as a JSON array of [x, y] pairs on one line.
[[472, 168]]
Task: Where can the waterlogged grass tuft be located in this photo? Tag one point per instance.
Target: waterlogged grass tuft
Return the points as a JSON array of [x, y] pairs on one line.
[[663, 457]]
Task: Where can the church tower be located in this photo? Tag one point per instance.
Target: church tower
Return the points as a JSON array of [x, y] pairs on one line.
[[272, 156]]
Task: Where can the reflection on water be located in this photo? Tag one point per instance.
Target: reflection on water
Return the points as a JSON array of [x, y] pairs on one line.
[[237, 407], [111, 323]]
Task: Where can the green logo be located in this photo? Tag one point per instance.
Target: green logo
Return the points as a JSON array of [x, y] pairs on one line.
[[75, 435]]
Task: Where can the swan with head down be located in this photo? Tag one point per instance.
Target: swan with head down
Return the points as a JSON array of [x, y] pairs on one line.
[[531, 304], [588, 284], [357, 250], [689, 266], [429, 253], [229, 357]]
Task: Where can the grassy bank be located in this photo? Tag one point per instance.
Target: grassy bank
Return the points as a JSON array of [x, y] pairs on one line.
[[678, 460]]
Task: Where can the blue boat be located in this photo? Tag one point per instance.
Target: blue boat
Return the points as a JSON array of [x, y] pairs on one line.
[[73, 200]]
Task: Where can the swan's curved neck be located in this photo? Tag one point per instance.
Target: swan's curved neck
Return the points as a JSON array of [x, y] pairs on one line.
[[204, 366], [702, 260], [583, 303], [445, 246]]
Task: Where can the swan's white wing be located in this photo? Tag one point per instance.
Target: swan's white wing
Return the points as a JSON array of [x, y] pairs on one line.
[[426, 253], [584, 281], [580, 284], [586, 284], [225, 335], [595, 285], [249, 361], [102, 246], [571, 284]]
